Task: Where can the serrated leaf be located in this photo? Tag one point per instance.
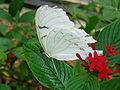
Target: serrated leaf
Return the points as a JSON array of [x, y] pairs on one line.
[[84, 81], [15, 7], [113, 84], [110, 35], [4, 87], [2, 55], [27, 17], [49, 72], [6, 43], [5, 15]]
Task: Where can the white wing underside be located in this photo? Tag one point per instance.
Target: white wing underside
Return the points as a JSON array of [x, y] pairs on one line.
[[58, 36]]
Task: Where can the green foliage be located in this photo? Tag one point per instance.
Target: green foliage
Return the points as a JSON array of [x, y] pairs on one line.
[[109, 3], [49, 72], [6, 43], [77, 69], [1, 1], [92, 22], [110, 9], [16, 33], [3, 30], [110, 36], [27, 17], [83, 81], [24, 69], [5, 16], [76, 12], [112, 84], [4, 87], [2, 55], [18, 52], [15, 7], [110, 14]]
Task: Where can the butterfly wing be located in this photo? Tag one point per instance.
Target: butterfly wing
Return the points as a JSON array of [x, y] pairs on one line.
[[52, 17], [58, 36], [63, 44]]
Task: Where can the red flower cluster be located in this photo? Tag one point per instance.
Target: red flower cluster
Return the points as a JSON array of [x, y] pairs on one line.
[[98, 63], [109, 50]]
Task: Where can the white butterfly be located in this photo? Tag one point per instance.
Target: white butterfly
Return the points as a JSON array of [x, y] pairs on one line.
[[58, 36]]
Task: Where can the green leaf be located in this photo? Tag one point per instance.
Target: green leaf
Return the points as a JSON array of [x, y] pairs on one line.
[[18, 52], [24, 68], [84, 81], [17, 33], [91, 6], [27, 17], [76, 12], [109, 3], [5, 15], [1, 1], [113, 84], [49, 72], [110, 35], [91, 24], [15, 7], [110, 14], [2, 55], [6, 43], [78, 69], [3, 29], [4, 87]]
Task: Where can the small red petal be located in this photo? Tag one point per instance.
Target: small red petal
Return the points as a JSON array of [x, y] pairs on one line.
[[84, 65], [99, 69], [109, 71], [90, 59], [105, 62], [90, 54], [111, 47], [112, 54], [92, 65], [106, 54], [118, 67], [115, 52], [99, 64], [106, 47], [100, 75], [106, 76], [95, 54], [101, 58], [78, 55]]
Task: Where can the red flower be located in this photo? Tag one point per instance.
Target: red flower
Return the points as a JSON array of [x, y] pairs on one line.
[[117, 71], [84, 65], [103, 71], [95, 61], [92, 45], [109, 50], [78, 55]]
